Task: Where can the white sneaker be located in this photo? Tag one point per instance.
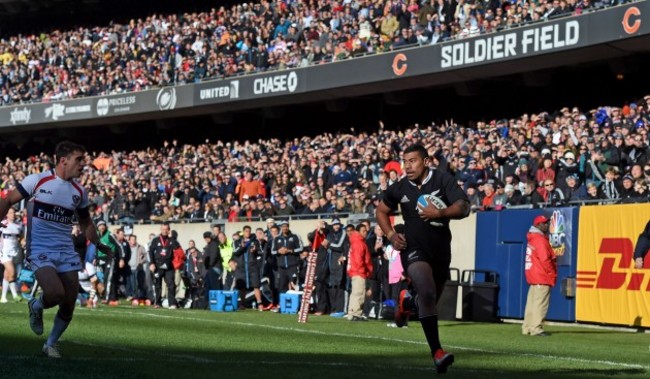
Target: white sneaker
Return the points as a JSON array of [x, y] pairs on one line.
[[51, 352], [3, 300]]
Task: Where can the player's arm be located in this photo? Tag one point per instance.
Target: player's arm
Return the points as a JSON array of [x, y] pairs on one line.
[[13, 197], [299, 247], [458, 203], [383, 212], [89, 229], [456, 211]]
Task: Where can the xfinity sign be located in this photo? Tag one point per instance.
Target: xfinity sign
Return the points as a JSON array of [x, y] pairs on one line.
[[274, 84], [20, 115]]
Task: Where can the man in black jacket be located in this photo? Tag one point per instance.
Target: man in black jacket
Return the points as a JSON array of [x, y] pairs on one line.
[[335, 243], [123, 270], [321, 277], [245, 251], [213, 263], [286, 249], [161, 254]]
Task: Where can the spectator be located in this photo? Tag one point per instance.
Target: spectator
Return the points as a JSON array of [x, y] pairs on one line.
[[513, 196], [359, 269], [575, 190], [546, 172], [594, 193]]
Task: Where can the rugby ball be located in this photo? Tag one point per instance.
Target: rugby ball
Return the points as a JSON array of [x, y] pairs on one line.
[[429, 199]]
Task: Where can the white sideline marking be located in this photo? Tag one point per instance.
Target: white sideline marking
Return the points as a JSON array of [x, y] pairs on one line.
[[273, 327]]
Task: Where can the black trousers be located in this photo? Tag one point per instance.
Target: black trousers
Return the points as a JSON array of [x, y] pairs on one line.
[[336, 299], [322, 303], [286, 276], [168, 277]]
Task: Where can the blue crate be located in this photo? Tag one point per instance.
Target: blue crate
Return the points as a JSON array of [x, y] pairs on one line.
[[290, 302], [223, 301]]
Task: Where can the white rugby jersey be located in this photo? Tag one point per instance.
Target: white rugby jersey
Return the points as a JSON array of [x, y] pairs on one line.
[[11, 237], [50, 211]]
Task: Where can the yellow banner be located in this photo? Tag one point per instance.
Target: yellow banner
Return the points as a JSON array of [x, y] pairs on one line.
[[609, 289]]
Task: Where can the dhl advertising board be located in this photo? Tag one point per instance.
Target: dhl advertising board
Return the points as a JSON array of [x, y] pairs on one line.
[[609, 289]]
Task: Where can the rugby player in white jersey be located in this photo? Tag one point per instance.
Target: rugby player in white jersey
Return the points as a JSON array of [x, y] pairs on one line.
[[55, 199], [11, 231]]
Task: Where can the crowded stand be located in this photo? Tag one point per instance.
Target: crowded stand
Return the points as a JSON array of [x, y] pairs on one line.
[[245, 38], [568, 156]]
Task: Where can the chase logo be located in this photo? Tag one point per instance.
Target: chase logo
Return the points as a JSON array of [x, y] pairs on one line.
[[557, 233]]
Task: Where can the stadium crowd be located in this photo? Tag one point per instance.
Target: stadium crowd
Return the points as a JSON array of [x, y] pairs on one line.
[[555, 158], [161, 50], [565, 157]]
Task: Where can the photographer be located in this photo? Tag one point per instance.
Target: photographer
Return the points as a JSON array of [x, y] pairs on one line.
[[161, 254]]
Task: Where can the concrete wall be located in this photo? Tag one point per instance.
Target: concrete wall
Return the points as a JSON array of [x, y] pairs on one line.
[[462, 247]]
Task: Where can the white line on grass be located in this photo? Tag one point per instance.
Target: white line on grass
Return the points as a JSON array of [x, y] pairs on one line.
[[388, 339], [188, 358]]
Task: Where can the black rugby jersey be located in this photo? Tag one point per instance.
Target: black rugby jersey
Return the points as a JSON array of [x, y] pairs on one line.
[[423, 235]]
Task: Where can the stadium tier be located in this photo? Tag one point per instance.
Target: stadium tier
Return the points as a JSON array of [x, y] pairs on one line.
[[276, 53]]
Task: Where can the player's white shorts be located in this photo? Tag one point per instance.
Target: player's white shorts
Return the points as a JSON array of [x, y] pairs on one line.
[[7, 256], [85, 285], [86, 275], [61, 262], [88, 272]]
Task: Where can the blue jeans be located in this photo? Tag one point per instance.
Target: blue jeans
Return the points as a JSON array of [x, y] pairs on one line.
[[131, 283]]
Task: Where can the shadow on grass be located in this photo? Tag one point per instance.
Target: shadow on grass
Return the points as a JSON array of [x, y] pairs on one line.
[[21, 358], [548, 374]]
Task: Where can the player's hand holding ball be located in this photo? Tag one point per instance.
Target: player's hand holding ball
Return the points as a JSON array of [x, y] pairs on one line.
[[430, 208]]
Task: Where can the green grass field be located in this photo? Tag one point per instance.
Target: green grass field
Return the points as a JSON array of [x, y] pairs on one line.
[[125, 342]]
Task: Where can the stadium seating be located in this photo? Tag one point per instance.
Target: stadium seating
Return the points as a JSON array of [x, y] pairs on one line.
[[244, 38]]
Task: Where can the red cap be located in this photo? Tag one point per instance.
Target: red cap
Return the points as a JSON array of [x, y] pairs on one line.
[[541, 219]]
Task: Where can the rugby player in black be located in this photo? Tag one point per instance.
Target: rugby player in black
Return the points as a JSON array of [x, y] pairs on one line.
[[426, 244]]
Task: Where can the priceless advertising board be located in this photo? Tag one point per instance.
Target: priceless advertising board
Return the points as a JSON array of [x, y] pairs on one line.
[[609, 289]]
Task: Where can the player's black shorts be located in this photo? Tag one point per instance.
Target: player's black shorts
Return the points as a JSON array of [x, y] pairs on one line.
[[439, 265]]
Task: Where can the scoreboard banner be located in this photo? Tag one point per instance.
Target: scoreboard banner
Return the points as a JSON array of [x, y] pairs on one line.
[[609, 289]]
